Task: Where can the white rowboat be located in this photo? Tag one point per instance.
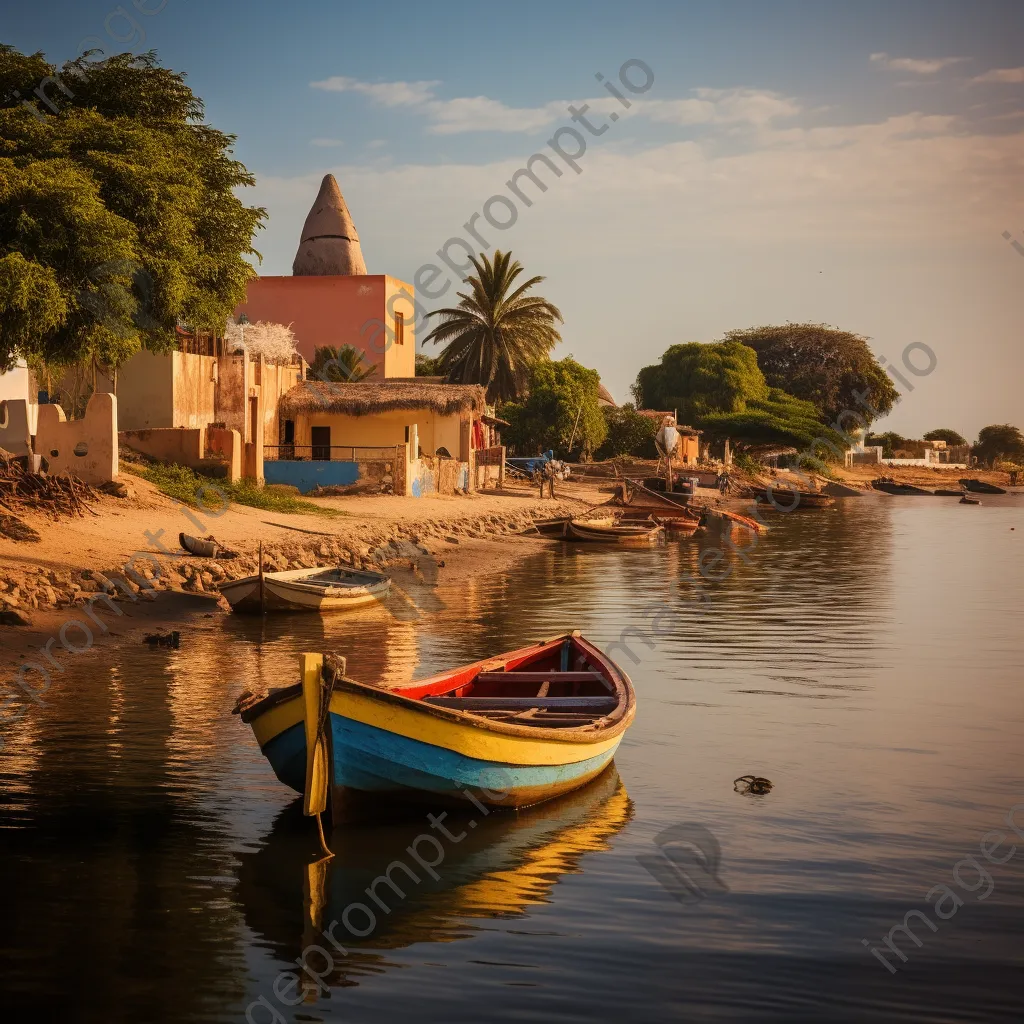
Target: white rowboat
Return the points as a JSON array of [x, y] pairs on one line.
[[320, 589]]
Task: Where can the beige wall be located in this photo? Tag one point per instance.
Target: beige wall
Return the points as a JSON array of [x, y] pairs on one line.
[[384, 429], [145, 391], [15, 434], [95, 437], [195, 390]]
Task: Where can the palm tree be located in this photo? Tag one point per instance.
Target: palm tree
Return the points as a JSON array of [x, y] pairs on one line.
[[496, 333], [341, 365]]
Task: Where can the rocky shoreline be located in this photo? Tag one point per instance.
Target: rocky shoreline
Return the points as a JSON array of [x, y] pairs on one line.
[[28, 588]]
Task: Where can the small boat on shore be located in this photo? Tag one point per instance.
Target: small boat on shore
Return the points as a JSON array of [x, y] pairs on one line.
[[320, 589], [980, 487], [890, 486], [559, 527], [635, 534], [944, 493], [204, 547], [516, 729], [787, 499], [965, 500]]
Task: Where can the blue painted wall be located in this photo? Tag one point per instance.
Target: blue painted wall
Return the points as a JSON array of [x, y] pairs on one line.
[[307, 475]]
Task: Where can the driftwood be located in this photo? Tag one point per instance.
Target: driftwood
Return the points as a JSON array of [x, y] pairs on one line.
[[57, 496]]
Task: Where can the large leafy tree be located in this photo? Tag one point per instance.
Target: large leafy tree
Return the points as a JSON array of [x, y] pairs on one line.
[[778, 418], [118, 213], [562, 411], [629, 433], [945, 434], [823, 365], [999, 441], [497, 332], [696, 379]]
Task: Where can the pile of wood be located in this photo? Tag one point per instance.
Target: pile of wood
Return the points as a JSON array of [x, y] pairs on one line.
[[57, 496]]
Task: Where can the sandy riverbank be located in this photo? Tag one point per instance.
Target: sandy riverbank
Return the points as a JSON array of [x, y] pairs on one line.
[[130, 549]]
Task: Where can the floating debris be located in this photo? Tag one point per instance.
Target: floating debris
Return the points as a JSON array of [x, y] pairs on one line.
[[172, 639], [752, 784]]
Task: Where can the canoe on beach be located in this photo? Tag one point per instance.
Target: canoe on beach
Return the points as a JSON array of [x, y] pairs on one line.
[[517, 729], [980, 487], [320, 589], [787, 499], [892, 487], [630, 534]]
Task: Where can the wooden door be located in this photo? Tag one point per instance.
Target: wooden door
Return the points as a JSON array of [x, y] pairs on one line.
[[321, 439]]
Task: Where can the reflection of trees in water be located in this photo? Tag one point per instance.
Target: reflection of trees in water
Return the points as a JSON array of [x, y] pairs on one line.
[[507, 864], [110, 902]]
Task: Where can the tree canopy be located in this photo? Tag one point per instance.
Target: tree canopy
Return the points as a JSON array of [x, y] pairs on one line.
[[999, 441], [497, 332], [696, 379], [118, 213], [779, 419], [720, 388], [823, 365], [945, 434], [561, 411], [629, 433], [428, 366]]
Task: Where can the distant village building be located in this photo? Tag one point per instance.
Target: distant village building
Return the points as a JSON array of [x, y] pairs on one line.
[[409, 437]]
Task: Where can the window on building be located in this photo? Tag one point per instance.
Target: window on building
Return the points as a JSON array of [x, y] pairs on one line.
[[399, 328]]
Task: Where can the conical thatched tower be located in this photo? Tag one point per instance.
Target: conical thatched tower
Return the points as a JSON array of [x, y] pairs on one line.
[[329, 244]]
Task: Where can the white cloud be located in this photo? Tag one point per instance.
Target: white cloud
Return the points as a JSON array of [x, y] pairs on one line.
[[722, 106], [321, 143], [483, 114], [1010, 75], [915, 66], [389, 94]]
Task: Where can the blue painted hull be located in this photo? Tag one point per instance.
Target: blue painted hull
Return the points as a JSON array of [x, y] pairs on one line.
[[371, 760]]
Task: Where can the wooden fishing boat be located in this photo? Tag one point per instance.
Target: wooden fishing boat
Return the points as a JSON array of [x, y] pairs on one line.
[[616, 533], [560, 527], [679, 522], [980, 487], [726, 520], [943, 492], [890, 486], [204, 547], [515, 730], [787, 499], [320, 589]]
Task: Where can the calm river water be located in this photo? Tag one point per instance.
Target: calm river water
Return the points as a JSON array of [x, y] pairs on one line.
[[866, 659]]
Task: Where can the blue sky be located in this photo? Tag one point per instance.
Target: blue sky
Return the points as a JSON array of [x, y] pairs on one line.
[[852, 163]]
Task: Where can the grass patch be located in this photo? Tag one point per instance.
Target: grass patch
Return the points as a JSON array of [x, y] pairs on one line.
[[187, 486]]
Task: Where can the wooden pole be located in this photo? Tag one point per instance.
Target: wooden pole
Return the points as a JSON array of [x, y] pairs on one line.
[[263, 597]]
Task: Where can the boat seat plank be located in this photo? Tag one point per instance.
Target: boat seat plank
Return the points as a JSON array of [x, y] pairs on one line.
[[552, 675], [523, 703]]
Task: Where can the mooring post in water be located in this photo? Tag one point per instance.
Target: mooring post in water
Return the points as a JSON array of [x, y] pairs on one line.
[[316, 719]]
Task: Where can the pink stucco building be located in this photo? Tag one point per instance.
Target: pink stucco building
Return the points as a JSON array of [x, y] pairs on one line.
[[331, 300]]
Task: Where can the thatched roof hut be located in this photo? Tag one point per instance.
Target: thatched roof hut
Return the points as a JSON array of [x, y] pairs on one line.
[[367, 397]]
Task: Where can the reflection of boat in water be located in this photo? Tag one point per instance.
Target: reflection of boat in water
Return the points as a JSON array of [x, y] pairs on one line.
[[522, 727], [509, 862]]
